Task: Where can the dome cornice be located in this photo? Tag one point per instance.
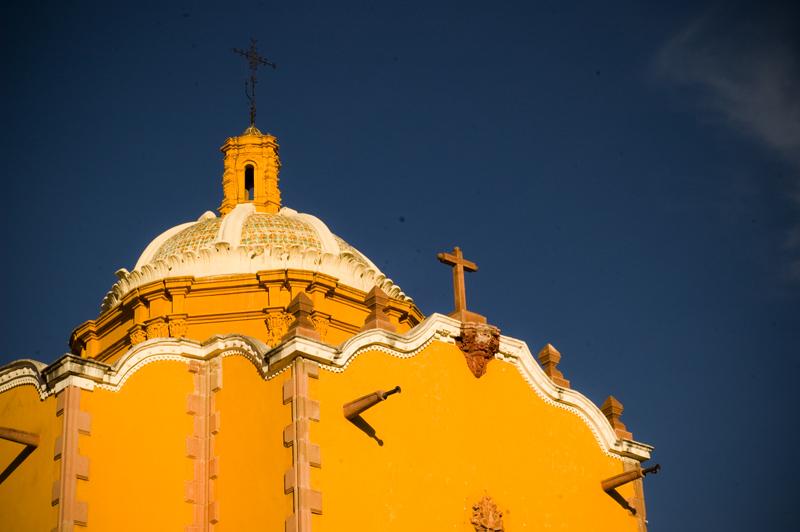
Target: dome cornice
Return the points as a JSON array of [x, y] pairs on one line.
[[222, 259]]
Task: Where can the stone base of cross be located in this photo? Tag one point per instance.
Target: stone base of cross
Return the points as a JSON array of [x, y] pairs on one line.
[[467, 316]]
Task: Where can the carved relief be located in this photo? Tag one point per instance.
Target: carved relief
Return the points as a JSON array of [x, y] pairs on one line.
[[157, 329], [480, 343], [321, 325], [486, 516], [137, 335], [177, 328], [277, 324]]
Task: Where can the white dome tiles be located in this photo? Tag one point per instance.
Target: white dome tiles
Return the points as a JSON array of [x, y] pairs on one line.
[[246, 241]]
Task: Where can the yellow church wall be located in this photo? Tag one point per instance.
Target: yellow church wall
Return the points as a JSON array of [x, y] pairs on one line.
[[250, 450], [25, 496], [226, 295], [450, 439], [137, 451], [206, 326]]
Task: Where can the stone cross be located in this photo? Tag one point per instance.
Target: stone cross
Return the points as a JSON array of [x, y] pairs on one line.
[[460, 265]]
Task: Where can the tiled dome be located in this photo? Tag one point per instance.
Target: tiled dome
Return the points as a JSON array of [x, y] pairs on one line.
[[246, 228], [246, 241]]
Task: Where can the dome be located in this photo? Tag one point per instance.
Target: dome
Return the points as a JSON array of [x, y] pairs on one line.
[[247, 241]]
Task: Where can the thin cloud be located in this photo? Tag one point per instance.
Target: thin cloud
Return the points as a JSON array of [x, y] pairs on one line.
[[749, 74], [750, 79]]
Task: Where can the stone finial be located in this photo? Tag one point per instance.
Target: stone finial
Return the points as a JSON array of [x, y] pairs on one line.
[[549, 357], [377, 301], [301, 307], [613, 409]]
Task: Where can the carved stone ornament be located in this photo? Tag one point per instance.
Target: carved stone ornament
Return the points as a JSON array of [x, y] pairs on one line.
[[177, 328], [157, 329], [137, 335], [321, 325], [277, 324], [486, 516], [480, 343]]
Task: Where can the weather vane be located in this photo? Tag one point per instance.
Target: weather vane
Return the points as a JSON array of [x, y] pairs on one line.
[[254, 60]]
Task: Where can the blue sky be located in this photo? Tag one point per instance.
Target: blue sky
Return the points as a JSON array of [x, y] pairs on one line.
[[627, 177]]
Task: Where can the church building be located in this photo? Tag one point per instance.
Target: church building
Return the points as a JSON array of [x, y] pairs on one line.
[[255, 371]]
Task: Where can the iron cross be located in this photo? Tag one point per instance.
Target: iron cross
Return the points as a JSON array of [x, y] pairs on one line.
[[460, 265], [254, 60]]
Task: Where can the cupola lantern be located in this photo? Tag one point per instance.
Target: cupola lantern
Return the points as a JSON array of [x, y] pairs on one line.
[[251, 172]]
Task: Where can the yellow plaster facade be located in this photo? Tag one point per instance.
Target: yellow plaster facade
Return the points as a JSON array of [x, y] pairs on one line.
[[210, 394], [448, 439], [137, 469], [25, 496]]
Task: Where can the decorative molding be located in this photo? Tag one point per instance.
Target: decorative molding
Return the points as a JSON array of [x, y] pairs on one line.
[[22, 372], [177, 325], [438, 327], [72, 466], [72, 370], [516, 352], [486, 517], [321, 323], [87, 374], [137, 335], [201, 405], [480, 343], [305, 455], [157, 328], [277, 322]]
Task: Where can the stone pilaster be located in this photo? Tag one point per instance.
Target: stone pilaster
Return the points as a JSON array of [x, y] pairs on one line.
[[72, 466], [305, 455], [199, 491]]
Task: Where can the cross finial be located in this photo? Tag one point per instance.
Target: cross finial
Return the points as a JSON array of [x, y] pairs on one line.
[[460, 265], [254, 60]]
